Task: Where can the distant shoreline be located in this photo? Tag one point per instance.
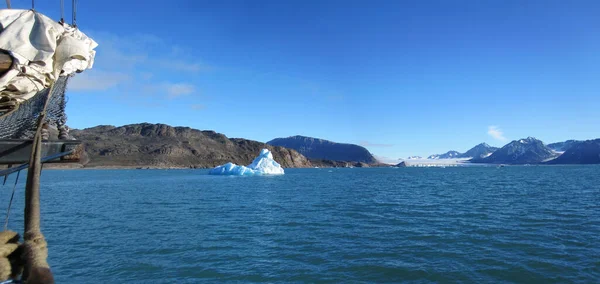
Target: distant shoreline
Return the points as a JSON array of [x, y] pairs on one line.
[[465, 165], [80, 167]]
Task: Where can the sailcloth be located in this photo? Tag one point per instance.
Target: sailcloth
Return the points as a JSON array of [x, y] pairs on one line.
[[43, 50]]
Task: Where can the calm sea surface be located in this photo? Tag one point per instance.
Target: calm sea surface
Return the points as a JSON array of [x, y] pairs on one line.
[[512, 224]]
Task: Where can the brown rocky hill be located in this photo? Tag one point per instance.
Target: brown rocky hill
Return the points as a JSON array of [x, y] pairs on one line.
[[160, 145]]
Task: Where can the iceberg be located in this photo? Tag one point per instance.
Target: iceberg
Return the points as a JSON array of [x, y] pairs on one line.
[[264, 164]]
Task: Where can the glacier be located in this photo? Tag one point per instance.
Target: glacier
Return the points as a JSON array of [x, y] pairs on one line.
[[264, 164]]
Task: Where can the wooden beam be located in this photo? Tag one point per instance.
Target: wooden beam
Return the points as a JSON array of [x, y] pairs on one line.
[[6, 62], [16, 151]]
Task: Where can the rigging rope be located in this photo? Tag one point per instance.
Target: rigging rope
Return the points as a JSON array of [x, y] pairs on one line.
[[35, 247], [10, 202], [74, 24], [62, 11], [32, 193], [7, 4], [32, 4], [6, 176]]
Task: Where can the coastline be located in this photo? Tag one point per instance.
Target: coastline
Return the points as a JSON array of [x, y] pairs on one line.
[[59, 166]]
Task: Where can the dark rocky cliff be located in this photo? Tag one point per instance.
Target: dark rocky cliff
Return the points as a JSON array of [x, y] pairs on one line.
[[580, 152], [160, 145], [320, 149]]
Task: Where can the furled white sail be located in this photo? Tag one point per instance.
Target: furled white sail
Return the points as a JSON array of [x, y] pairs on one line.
[[43, 50]]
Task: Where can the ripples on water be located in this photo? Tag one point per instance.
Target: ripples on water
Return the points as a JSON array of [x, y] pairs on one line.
[[516, 224]]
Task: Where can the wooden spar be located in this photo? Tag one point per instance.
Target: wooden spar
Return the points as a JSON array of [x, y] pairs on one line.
[[14, 151], [6, 62]]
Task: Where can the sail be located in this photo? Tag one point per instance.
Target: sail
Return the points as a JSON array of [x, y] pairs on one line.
[[43, 53], [42, 49]]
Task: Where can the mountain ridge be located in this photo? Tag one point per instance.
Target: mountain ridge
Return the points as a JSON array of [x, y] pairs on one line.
[[448, 155], [580, 152], [163, 146], [321, 149], [480, 150], [563, 146], [523, 151]]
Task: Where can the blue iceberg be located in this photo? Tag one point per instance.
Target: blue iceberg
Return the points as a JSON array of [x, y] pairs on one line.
[[264, 164]]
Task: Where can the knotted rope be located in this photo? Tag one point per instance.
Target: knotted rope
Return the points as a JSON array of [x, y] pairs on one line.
[[10, 259]]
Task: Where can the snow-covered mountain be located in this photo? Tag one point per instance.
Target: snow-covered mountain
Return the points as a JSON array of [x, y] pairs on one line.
[[563, 146], [448, 155], [580, 152], [479, 151], [523, 151]]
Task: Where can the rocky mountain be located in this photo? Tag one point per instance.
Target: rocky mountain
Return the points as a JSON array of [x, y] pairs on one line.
[[160, 145], [402, 165], [414, 158], [562, 146], [314, 148], [580, 152], [479, 151], [447, 155], [524, 151], [342, 164]]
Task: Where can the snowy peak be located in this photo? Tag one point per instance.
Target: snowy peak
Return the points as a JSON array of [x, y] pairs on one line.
[[523, 151], [481, 150], [528, 140], [448, 155], [563, 146]]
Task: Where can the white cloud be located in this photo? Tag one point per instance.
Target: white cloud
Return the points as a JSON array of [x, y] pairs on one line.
[[137, 60], [496, 133], [134, 50], [175, 90], [97, 80]]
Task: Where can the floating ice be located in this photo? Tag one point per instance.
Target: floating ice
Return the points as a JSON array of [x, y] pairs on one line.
[[262, 165]]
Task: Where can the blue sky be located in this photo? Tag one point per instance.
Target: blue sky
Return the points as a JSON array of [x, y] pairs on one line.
[[400, 77]]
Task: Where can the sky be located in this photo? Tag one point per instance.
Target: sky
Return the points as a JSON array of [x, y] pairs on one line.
[[398, 77]]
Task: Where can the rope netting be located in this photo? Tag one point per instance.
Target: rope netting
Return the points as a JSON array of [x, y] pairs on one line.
[[21, 123]]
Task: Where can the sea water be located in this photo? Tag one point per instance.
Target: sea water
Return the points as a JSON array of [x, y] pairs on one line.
[[474, 224]]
